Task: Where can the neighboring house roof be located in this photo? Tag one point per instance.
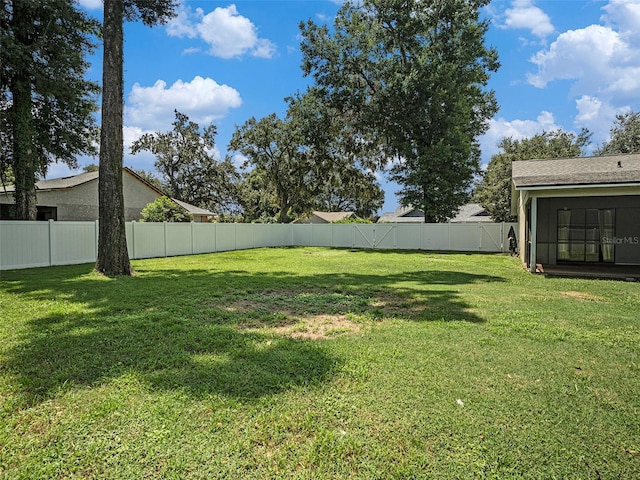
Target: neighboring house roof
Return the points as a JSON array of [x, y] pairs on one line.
[[61, 183], [330, 217], [192, 209], [607, 169], [403, 215], [472, 212], [82, 178]]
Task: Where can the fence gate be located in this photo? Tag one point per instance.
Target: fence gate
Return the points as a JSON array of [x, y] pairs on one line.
[[375, 236], [492, 244]]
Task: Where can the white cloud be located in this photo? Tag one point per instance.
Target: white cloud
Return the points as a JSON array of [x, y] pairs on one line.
[[202, 99], [182, 24], [500, 128], [525, 15], [91, 4], [603, 60], [228, 34], [583, 54], [625, 15], [598, 116], [239, 160]]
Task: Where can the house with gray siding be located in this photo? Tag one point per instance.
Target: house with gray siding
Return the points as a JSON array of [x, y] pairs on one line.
[[580, 212], [75, 198]]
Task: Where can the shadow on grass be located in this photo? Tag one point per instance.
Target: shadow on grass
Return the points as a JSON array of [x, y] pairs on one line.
[[170, 328]]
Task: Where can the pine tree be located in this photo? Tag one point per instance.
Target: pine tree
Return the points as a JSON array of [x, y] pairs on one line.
[[113, 257], [46, 103]]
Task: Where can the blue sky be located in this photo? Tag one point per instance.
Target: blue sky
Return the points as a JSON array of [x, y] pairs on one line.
[[565, 64]]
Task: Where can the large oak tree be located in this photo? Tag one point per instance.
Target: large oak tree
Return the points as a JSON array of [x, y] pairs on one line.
[[411, 73], [188, 169], [311, 160], [113, 257]]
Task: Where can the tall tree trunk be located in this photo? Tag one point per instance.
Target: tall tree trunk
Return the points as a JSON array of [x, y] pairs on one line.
[[24, 155], [113, 257], [425, 205], [25, 159]]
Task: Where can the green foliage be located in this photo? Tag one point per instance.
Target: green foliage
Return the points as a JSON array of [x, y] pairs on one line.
[[310, 160], [343, 160], [625, 135], [189, 172], [46, 103], [164, 209], [309, 363], [411, 75], [92, 167], [494, 190], [272, 146], [257, 197], [348, 221]]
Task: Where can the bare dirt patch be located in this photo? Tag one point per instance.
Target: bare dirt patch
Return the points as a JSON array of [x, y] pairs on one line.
[[582, 296], [311, 315]]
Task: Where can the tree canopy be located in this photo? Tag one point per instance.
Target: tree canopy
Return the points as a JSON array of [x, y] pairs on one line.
[[411, 74], [188, 170], [272, 146], [310, 160], [624, 135], [494, 190], [46, 103]]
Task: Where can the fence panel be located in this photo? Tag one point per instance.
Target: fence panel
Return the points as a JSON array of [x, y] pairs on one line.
[[464, 237], [321, 235], [24, 244], [409, 236], [204, 237], [37, 244], [244, 236], [225, 237], [363, 236], [384, 236], [435, 237], [179, 238], [147, 240], [302, 235], [271, 235], [342, 235], [73, 242]]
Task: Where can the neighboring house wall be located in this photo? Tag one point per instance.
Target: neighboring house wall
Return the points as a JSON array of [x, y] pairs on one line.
[[79, 203], [76, 198], [137, 195]]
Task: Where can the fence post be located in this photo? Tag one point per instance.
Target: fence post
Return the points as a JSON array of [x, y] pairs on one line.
[[192, 249], [133, 239], [51, 243], [95, 244], [164, 231]]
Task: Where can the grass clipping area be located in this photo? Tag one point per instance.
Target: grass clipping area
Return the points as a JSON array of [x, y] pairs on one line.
[[318, 363]]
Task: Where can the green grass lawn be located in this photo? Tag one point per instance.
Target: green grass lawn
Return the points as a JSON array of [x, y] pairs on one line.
[[318, 363]]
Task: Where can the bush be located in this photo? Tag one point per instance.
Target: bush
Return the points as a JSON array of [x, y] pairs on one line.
[[164, 209]]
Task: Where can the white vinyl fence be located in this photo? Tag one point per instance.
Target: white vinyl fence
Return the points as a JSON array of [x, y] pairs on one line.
[[39, 244]]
